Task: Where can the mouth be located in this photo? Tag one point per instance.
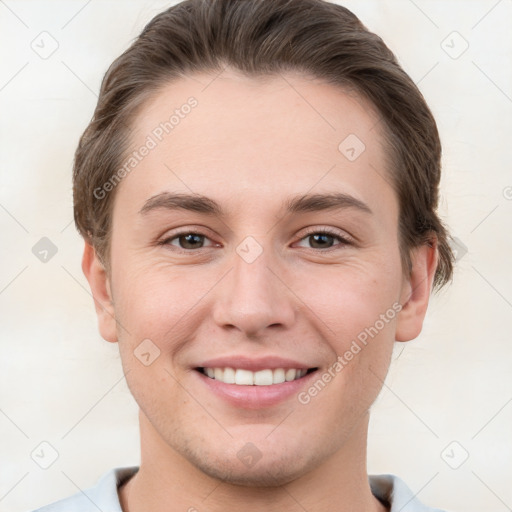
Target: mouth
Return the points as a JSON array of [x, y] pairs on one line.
[[264, 377], [249, 382]]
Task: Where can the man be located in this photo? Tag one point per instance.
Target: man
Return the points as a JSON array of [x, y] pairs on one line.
[[257, 192]]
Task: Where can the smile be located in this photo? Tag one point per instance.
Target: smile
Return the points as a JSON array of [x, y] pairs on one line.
[[265, 377]]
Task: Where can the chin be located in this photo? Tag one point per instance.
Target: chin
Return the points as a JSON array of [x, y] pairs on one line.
[[271, 475], [266, 472]]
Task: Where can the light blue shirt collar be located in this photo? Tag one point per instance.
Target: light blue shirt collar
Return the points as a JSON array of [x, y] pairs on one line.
[[104, 496]]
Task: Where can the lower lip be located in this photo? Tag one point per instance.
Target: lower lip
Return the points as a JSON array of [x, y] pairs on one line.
[[255, 397]]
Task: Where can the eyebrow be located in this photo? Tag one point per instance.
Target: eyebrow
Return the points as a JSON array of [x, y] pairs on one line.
[[296, 204]]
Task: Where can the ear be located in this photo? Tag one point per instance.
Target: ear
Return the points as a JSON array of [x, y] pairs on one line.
[[416, 291], [100, 287]]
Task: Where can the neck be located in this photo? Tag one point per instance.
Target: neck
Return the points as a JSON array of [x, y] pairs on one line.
[[168, 482]]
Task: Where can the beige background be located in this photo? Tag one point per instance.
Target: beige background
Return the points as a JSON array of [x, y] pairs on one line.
[[62, 384]]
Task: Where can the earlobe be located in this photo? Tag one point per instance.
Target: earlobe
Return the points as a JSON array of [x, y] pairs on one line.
[[416, 291], [99, 283]]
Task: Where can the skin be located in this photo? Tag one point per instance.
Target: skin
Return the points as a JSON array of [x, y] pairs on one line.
[[250, 144]]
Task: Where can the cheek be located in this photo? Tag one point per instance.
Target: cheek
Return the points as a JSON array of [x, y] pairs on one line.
[[157, 310], [357, 313], [151, 299], [351, 299]]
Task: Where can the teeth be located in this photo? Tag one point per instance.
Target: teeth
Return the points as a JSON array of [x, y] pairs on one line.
[[291, 374], [229, 376], [242, 377], [278, 376], [259, 378]]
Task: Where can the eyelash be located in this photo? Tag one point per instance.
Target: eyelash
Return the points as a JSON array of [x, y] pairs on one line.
[[318, 231]]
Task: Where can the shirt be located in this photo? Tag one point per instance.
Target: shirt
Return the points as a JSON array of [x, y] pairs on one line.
[[104, 495]]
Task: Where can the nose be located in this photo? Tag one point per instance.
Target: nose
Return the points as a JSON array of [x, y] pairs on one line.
[[254, 296]]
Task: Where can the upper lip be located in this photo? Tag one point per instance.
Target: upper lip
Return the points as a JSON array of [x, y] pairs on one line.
[[254, 364]]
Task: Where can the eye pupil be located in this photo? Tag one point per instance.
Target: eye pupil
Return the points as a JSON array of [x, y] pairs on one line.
[[190, 239], [321, 236]]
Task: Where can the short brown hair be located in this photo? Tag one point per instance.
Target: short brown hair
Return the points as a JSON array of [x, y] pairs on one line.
[[262, 38]]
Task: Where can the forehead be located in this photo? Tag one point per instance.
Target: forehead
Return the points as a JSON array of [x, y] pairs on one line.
[[235, 138]]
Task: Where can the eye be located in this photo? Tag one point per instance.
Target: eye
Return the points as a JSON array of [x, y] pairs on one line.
[[323, 239], [186, 240]]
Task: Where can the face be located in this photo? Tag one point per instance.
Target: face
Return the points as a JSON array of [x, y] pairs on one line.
[[225, 254]]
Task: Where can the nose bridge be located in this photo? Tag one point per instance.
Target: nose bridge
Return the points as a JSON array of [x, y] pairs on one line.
[[252, 297]]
